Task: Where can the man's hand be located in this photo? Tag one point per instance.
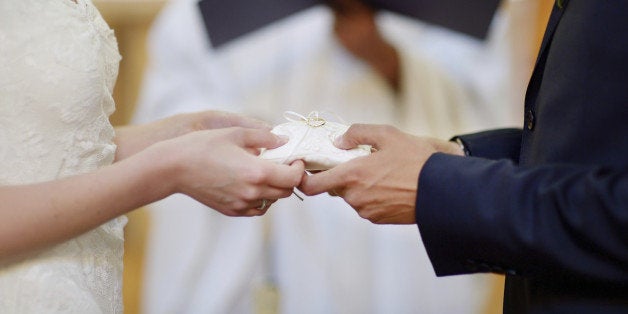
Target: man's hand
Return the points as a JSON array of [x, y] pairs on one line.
[[381, 187]]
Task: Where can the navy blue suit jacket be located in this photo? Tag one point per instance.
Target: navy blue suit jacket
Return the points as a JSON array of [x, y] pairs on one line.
[[546, 205]]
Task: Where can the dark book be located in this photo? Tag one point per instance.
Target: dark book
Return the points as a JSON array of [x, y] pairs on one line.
[[226, 20]]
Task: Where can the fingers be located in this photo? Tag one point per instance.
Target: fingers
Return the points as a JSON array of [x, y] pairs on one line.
[[246, 122], [252, 150], [244, 206], [284, 176], [220, 119], [272, 193], [365, 134], [266, 180], [260, 208], [330, 180], [264, 205], [252, 138]]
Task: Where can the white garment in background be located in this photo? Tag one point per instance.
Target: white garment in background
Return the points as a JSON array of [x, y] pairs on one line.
[[320, 255], [59, 62]]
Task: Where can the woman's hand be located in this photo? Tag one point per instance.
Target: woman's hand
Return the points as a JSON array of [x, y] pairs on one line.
[[221, 169], [134, 138]]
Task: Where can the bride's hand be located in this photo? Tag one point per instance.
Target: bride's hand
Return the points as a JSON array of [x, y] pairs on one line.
[[221, 169], [134, 138]]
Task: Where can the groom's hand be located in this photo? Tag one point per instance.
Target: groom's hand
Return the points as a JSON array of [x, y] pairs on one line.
[[381, 187]]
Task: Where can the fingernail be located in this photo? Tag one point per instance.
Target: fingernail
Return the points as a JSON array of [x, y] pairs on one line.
[[283, 138]]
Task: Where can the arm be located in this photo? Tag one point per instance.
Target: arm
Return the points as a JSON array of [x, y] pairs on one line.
[[131, 139], [555, 220], [218, 168], [47, 213], [381, 187]]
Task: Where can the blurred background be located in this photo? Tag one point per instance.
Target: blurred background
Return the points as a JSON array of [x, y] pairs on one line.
[[132, 21]]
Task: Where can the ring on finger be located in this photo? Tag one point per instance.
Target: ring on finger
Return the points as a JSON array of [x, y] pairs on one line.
[[265, 203]]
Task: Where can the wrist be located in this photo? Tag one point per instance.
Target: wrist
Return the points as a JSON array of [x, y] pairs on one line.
[[161, 171]]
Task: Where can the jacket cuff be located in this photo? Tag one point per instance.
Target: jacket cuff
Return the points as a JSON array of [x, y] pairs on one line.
[[455, 228], [495, 144]]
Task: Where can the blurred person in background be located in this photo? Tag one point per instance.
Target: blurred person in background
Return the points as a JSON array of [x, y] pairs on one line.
[[314, 256], [545, 204]]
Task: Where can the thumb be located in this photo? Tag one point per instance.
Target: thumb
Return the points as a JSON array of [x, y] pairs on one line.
[[364, 134]]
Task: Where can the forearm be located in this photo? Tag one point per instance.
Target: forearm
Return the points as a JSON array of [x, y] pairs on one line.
[[132, 139], [532, 221], [135, 138], [38, 215]]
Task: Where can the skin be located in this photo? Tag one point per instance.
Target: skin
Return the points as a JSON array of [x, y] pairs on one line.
[[381, 187], [356, 30], [210, 156]]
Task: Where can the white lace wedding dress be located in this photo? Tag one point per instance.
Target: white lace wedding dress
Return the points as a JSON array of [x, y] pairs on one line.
[[58, 64]]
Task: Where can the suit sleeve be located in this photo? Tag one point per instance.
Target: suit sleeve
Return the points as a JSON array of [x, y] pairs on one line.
[[560, 220], [494, 144]]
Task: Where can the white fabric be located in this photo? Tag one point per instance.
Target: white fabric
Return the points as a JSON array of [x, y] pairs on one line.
[[318, 253], [58, 64], [311, 139]]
